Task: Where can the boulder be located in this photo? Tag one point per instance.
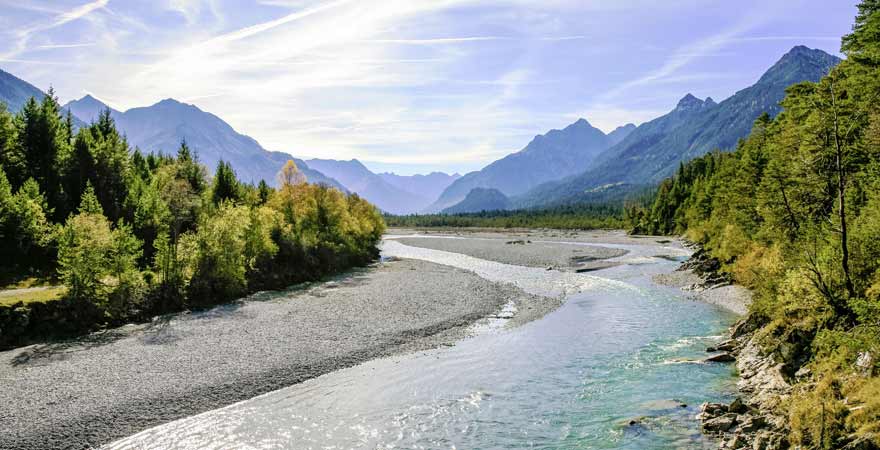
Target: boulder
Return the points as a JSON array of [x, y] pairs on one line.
[[724, 346], [720, 424], [738, 406], [712, 410], [721, 357]]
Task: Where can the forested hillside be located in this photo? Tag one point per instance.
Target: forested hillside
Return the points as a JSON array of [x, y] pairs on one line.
[[794, 214], [122, 236]]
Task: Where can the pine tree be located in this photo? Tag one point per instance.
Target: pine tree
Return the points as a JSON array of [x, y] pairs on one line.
[[226, 186]]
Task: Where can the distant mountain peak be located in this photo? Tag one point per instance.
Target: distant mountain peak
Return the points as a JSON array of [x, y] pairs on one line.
[[88, 108], [689, 102], [170, 102], [798, 61]]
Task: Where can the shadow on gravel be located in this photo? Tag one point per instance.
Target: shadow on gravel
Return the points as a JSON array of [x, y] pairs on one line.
[[58, 350], [160, 331]]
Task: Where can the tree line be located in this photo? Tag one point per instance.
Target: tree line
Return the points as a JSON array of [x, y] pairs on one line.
[[794, 214], [131, 235], [564, 217]]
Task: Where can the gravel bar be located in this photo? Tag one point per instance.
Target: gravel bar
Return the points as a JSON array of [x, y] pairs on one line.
[[521, 251], [113, 384]]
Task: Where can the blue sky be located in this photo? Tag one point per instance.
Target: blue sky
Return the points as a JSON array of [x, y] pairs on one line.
[[409, 85]]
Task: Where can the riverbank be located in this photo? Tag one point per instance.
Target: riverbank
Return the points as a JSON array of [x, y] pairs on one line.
[[108, 385], [756, 418]]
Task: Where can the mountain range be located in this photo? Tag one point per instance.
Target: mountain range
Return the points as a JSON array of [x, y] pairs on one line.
[[429, 186], [395, 194], [551, 156], [164, 125], [578, 163], [15, 92], [655, 149]]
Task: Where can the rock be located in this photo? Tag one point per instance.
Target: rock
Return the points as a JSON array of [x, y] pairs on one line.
[[737, 441], [769, 440], [865, 363], [803, 372], [750, 424], [712, 410], [721, 357], [720, 424], [862, 443], [724, 346], [737, 406]]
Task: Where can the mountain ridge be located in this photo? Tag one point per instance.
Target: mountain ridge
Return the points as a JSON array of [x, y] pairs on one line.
[[358, 178], [161, 127], [694, 127], [548, 156]]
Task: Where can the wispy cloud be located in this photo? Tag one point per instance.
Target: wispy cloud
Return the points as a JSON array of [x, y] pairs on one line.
[[57, 46], [24, 34]]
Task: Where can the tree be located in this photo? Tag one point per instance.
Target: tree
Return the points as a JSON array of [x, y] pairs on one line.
[[95, 260], [226, 186], [290, 175], [10, 153], [264, 191], [43, 140]]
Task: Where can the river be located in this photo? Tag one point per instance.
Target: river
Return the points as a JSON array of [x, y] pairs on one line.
[[613, 367]]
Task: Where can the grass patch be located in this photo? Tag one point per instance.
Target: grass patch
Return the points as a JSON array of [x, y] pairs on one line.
[[25, 283], [37, 295]]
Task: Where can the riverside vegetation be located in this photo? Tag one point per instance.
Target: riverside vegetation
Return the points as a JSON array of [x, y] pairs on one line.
[[794, 214], [121, 236], [565, 217]]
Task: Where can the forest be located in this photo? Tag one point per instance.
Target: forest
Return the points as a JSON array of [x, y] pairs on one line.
[[564, 217], [108, 235], [794, 214]]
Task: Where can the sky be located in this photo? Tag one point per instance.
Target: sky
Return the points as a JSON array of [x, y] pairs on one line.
[[409, 86]]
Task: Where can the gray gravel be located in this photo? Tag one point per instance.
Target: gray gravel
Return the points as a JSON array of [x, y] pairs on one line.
[[734, 298], [521, 250], [113, 384]]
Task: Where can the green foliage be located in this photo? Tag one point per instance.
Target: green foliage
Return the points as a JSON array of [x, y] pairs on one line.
[[132, 235], [98, 263], [226, 186], [794, 213]]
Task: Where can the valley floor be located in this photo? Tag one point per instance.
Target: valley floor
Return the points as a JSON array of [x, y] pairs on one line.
[[108, 385]]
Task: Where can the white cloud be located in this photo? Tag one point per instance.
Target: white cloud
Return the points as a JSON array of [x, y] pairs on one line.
[[23, 35]]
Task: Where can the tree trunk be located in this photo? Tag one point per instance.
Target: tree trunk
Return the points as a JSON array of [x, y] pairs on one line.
[[841, 197]]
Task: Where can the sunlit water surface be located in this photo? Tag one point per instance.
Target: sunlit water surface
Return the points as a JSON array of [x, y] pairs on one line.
[[618, 351]]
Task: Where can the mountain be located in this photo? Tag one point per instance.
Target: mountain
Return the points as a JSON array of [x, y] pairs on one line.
[[655, 149], [428, 186], [620, 133], [551, 156], [480, 199], [15, 92], [162, 127], [357, 178], [89, 108]]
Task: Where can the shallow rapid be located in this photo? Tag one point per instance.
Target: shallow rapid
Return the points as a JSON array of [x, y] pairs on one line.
[[614, 367]]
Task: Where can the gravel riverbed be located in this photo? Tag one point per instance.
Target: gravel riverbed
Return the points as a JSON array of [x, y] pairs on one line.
[[88, 392]]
